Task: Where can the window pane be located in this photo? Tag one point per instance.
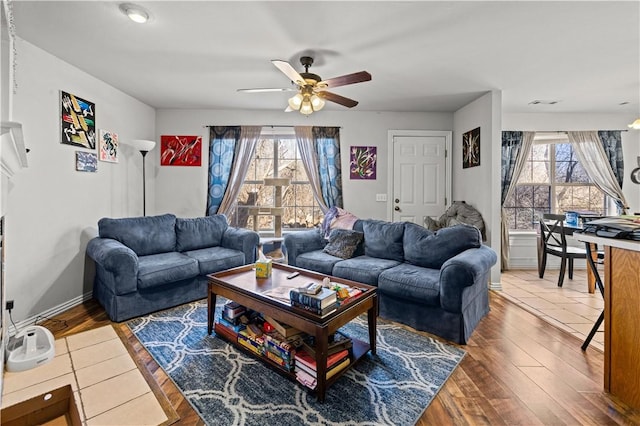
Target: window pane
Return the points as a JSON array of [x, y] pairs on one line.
[[540, 152], [287, 149], [542, 197], [524, 218], [524, 196]]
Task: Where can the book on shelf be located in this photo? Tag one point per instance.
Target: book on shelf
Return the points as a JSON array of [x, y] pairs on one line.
[[311, 381], [321, 300], [282, 328], [235, 326], [339, 342], [302, 357], [223, 331], [337, 367], [347, 294], [233, 310], [321, 312]]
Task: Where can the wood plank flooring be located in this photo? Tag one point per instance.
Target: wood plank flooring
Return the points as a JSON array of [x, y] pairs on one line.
[[518, 370]]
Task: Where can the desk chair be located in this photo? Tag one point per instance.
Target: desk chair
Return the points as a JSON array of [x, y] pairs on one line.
[[553, 241]]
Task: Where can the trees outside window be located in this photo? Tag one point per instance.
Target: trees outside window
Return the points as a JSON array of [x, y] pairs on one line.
[[277, 156], [552, 181]]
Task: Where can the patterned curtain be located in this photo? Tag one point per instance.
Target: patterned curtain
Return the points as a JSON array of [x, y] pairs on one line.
[[327, 141], [515, 150], [221, 156], [309, 157], [612, 144]]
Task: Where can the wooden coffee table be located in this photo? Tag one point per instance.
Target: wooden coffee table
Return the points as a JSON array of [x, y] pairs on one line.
[[261, 295]]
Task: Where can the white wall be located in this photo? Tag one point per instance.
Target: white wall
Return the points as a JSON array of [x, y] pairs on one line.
[[53, 210], [480, 186], [523, 245], [183, 190]]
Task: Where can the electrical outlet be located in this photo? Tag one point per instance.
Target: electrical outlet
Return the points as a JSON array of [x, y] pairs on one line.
[[381, 197], [9, 305]]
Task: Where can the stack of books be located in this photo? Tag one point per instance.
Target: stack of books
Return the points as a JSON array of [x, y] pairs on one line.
[[321, 304], [337, 343], [284, 329], [306, 367], [232, 312]]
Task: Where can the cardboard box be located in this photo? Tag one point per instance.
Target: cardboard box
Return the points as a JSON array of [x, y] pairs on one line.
[[57, 407], [263, 268]]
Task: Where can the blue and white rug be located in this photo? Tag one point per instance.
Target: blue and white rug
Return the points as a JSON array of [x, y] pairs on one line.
[[227, 387]]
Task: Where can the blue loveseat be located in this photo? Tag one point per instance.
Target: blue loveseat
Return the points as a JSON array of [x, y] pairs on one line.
[[432, 281], [144, 264]]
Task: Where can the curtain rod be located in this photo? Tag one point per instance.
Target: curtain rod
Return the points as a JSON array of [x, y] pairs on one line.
[[566, 131], [273, 125]]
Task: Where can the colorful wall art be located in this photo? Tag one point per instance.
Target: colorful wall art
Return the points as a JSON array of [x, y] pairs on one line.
[[362, 164], [77, 121], [86, 161], [471, 148], [108, 146], [180, 150]]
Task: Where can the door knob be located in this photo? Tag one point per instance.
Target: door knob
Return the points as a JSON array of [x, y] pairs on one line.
[[396, 208]]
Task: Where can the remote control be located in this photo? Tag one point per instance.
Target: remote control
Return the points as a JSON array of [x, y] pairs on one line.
[[293, 275], [311, 288]]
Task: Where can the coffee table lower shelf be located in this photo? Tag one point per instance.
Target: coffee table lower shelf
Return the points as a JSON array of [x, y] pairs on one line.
[[359, 350]]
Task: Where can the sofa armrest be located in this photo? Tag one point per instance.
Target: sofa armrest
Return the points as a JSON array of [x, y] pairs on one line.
[[116, 264], [241, 239], [297, 243], [471, 267]]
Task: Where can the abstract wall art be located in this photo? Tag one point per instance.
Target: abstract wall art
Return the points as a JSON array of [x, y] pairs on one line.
[[108, 146], [471, 148], [77, 121], [180, 150], [362, 162], [86, 161]]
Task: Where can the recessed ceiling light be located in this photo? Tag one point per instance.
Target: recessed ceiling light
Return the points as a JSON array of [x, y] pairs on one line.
[[134, 12]]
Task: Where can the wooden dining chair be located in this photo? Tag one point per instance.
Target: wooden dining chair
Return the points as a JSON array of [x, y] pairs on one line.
[[553, 241]]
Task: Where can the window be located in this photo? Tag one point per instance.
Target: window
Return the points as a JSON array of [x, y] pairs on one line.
[[552, 181], [276, 156]]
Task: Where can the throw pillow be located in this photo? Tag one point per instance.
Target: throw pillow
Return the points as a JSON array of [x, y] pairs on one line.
[[431, 249], [144, 235], [383, 239], [200, 232], [343, 243]]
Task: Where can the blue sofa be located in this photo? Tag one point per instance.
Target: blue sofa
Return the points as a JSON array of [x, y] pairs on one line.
[[432, 281], [144, 264]]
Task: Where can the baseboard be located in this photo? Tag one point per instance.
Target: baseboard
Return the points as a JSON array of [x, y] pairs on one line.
[[49, 313]]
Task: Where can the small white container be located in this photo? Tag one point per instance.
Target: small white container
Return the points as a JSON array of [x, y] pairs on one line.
[[31, 347]]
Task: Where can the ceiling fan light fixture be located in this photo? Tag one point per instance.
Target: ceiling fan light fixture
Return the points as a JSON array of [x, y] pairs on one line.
[[635, 125], [306, 107], [317, 102], [296, 101]]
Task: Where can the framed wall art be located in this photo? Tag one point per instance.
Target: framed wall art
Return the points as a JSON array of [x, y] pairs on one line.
[[86, 161], [108, 146], [362, 162], [471, 148], [77, 121], [180, 150]]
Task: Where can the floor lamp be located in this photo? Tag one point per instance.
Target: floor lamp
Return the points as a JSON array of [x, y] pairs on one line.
[[143, 146]]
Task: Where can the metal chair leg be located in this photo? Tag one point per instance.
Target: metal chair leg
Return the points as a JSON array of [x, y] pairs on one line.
[[593, 331]]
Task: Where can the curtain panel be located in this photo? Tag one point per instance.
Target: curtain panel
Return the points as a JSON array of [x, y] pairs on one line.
[[612, 144], [309, 157], [221, 155], [327, 145]]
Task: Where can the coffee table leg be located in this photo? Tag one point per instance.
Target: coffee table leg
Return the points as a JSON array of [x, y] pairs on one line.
[[322, 341], [372, 315], [211, 309]]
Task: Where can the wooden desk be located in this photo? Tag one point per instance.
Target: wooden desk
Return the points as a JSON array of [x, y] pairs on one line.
[[621, 319]]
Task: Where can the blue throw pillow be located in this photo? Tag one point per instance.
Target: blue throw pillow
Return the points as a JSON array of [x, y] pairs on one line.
[[144, 235], [431, 249], [383, 239], [343, 243], [200, 232]]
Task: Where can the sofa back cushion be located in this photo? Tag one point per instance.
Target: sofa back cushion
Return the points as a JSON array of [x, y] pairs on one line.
[[431, 249], [200, 232], [144, 235], [383, 239]]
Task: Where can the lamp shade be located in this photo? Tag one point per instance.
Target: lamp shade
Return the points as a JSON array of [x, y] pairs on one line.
[[142, 144], [635, 124]]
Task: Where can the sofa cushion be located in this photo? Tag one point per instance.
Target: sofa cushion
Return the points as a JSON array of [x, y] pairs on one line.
[[164, 268], [144, 235], [214, 259], [431, 249], [200, 232], [343, 243], [383, 239], [363, 269], [410, 282], [317, 261]]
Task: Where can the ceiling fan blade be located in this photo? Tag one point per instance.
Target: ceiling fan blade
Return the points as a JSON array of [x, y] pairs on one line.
[[343, 80], [267, 89], [289, 71], [349, 103]]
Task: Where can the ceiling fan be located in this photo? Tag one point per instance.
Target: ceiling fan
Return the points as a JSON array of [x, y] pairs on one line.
[[312, 90]]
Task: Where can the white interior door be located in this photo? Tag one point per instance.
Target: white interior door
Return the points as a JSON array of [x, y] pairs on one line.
[[421, 175]]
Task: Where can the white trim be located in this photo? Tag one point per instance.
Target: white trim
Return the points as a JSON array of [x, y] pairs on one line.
[[49, 313]]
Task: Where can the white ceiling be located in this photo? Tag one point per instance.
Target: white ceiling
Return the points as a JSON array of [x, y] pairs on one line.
[[423, 55]]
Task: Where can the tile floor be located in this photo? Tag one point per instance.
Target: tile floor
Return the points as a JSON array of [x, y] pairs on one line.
[[108, 387], [569, 307]]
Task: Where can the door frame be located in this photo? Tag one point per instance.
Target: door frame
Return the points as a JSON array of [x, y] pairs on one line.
[[447, 134]]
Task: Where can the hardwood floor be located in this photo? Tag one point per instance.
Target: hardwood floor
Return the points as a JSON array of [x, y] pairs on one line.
[[518, 370]]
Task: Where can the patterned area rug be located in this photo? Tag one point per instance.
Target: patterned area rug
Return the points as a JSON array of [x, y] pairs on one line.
[[227, 387]]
